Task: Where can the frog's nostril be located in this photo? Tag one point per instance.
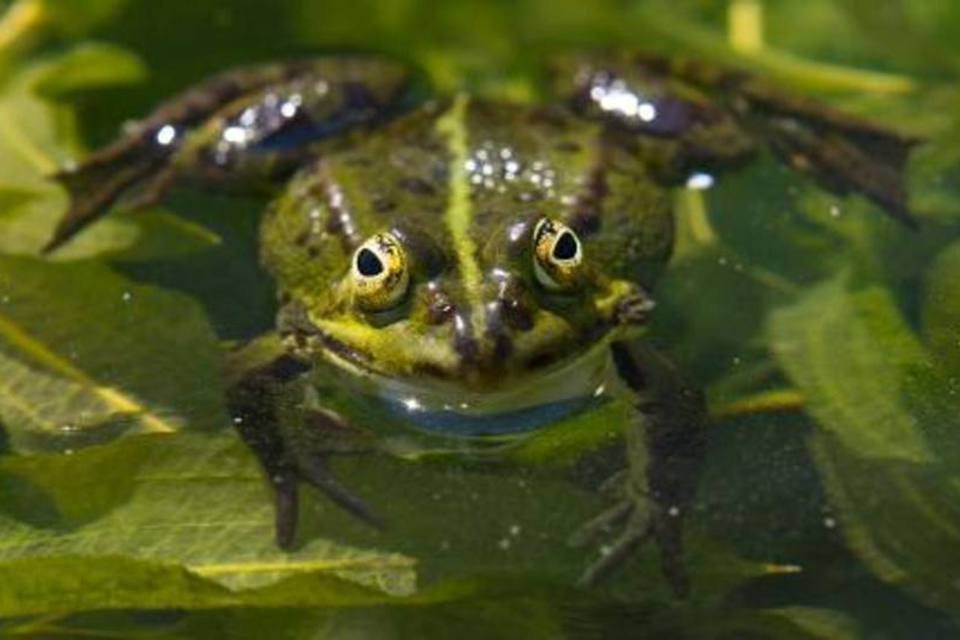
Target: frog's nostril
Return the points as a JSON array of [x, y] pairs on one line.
[[440, 308], [516, 314], [512, 305], [464, 342]]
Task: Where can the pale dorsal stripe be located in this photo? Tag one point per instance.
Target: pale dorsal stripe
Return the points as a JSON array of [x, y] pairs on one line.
[[459, 215]]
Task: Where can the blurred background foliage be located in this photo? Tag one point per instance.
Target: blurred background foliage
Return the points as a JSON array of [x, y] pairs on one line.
[[828, 338]]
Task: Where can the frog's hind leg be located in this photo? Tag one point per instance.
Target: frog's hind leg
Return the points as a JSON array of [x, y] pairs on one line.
[[244, 128], [313, 463], [708, 117]]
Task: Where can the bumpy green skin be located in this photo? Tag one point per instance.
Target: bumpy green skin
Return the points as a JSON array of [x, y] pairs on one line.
[[461, 185], [527, 163]]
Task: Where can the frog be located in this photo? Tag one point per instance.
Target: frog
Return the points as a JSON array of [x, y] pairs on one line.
[[477, 267]]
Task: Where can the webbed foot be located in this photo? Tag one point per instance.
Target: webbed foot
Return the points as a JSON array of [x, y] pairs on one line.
[[623, 528], [314, 470]]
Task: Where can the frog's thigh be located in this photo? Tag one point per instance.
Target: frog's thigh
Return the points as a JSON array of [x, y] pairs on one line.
[[677, 124], [247, 127]]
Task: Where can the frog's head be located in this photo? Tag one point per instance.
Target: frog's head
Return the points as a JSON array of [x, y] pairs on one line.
[[528, 298], [412, 253]]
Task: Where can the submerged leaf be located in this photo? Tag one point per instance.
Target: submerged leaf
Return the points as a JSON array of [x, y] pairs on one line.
[[941, 309], [887, 448], [75, 17], [186, 521], [859, 395], [38, 138], [89, 66], [196, 504], [77, 339], [12, 199]]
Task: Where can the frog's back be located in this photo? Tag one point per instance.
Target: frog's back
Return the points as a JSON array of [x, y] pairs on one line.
[[460, 176]]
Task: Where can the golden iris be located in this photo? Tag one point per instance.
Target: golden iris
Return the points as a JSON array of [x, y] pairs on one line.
[[380, 273], [558, 254]]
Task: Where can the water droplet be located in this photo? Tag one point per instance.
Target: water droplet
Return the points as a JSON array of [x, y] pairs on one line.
[[700, 181], [236, 135], [166, 135], [289, 110]]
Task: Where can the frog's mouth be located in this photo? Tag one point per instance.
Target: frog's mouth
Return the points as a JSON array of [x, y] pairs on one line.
[[431, 400], [427, 355], [423, 364]]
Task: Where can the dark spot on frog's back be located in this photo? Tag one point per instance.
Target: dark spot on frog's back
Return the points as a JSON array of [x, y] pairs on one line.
[[302, 237], [417, 186], [568, 146], [383, 204], [585, 220], [550, 115]]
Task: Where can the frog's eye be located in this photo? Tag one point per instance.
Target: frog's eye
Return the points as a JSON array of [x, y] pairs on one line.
[[379, 273], [558, 255]]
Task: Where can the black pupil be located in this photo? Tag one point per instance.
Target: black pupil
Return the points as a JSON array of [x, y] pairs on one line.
[[368, 264], [566, 247]]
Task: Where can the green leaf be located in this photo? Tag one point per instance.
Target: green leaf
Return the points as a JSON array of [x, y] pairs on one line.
[[186, 521], [75, 17], [166, 513], [941, 309], [12, 199], [824, 624], [38, 137], [934, 173], [90, 66], [81, 348], [848, 352], [886, 448]]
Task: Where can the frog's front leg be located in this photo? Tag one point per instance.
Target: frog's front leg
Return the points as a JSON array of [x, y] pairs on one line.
[[247, 128], [664, 451], [263, 382]]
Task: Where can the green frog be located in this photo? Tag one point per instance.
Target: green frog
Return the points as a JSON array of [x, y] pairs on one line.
[[473, 271]]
